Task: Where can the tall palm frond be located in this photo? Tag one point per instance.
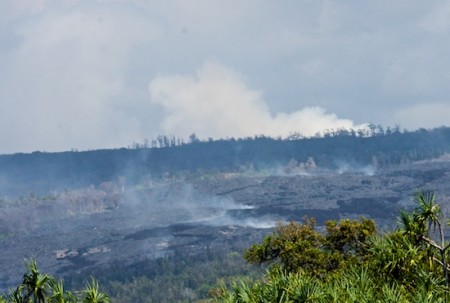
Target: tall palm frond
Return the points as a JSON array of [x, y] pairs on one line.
[[428, 210], [16, 295], [35, 283], [92, 294], [59, 294]]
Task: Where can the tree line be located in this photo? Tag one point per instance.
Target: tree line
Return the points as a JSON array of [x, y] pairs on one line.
[[381, 148]]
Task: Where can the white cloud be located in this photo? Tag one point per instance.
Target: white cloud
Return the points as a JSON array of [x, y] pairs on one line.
[[75, 73], [215, 102], [427, 115], [63, 80], [438, 20]]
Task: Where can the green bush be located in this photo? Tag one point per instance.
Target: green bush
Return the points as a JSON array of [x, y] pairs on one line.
[[350, 263]]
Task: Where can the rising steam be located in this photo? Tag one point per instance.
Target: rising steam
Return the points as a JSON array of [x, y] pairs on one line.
[[182, 203], [215, 102]]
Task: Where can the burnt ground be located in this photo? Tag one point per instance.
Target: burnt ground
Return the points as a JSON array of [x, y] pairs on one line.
[[222, 213]]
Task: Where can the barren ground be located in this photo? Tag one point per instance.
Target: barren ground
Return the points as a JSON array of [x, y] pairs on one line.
[[214, 213]]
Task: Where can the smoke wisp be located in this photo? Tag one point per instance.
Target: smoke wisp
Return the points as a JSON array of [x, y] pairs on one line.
[[182, 203]]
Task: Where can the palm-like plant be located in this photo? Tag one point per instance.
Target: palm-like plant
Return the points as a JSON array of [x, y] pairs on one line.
[[16, 296], [59, 294], [35, 283], [411, 226], [429, 211], [92, 294], [418, 224], [37, 287]]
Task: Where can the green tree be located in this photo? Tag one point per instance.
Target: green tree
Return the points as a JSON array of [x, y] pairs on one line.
[[300, 247], [349, 237], [293, 246]]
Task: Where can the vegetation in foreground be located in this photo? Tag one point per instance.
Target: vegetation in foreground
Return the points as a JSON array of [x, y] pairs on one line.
[[37, 287], [183, 278], [350, 263]]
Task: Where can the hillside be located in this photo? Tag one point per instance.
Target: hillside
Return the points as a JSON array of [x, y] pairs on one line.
[[41, 172], [118, 223]]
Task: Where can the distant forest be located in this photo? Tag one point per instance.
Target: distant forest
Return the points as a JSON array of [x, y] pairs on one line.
[[381, 148]]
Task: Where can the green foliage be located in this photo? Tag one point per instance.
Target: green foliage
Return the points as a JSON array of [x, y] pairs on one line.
[[346, 262], [349, 236], [294, 246], [92, 294], [300, 247], [59, 294], [355, 284], [395, 258], [35, 284], [407, 265], [37, 287], [183, 278]]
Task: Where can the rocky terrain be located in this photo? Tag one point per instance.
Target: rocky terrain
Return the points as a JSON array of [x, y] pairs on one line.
[[223, 212]]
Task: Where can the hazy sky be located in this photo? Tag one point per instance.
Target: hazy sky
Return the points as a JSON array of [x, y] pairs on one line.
[[89, 74]]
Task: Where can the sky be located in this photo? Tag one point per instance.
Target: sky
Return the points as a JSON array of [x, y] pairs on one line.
[[90, 74]]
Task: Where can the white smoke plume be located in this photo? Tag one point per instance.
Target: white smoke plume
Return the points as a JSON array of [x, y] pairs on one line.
[[216, 102]]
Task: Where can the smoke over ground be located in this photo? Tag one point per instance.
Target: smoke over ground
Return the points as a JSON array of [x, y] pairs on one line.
[[97, 226], [182, 203], [345, 167], [216, 102]]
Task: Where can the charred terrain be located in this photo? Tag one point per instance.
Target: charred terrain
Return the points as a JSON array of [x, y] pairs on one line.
[[126, 221], [223, 212]]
